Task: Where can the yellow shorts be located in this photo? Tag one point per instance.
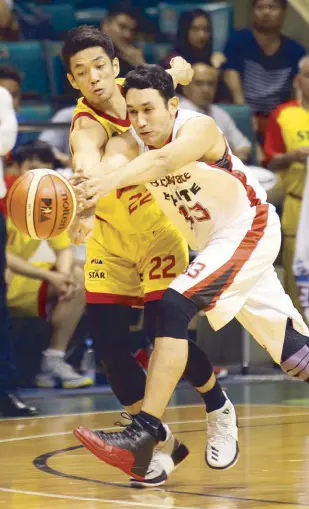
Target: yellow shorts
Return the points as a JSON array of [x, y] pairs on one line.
[[132, 269], [27, 295]]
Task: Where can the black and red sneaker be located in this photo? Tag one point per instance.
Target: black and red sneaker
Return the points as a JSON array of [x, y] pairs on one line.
[[129, 450]]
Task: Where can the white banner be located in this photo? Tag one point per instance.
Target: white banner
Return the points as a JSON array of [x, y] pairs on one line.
[[301, 258]]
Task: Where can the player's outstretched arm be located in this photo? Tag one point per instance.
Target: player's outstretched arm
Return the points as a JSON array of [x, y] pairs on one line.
[[198, 138], [87, 140]]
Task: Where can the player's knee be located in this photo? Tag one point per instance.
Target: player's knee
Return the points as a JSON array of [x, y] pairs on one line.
[[295, 353], [173, 315]]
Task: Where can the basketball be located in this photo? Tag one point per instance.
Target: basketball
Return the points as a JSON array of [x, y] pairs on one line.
[[41, 203]]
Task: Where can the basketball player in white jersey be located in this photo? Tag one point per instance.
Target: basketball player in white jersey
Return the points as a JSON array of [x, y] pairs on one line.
[[222, 211]]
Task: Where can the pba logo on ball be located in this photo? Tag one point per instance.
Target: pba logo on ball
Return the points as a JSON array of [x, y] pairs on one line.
[[45, 209], [97, 261]]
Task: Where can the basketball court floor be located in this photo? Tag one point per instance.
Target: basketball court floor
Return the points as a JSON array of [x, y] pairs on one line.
[[44, 467]]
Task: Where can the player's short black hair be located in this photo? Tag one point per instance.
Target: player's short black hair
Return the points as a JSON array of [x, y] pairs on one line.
[[36, 149], [83, 37], [8, 72], [283, 3], [150, 76]]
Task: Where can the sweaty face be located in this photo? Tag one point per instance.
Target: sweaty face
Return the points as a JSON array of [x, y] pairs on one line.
[[303, 80], [13, 87], [151, 118], [121, 28], [93, 73], [268, 15], [202, 89], [199, 32]]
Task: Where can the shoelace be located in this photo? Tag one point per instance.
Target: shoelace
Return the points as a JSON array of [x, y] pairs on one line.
[[132, 429], [218, 432]]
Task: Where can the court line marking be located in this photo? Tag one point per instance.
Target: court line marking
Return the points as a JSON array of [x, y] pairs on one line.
[[104, 412], [111, 428], [93, 499]]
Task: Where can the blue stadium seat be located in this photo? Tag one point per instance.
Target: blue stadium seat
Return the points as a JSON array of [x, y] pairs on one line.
[[221, 15], [34, 113], [28, 59], [91, 16], [154, 53], [242, 116], [56, 71], [62, 18]]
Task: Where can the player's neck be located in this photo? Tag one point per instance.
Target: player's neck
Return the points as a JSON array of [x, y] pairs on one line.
[[115, 106], [305, 104]]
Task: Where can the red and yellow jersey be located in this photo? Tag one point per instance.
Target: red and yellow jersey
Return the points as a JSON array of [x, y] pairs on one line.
[[131, 210], [288, 130]]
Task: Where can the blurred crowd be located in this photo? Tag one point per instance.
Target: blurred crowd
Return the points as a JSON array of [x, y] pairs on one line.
[[256, 89]]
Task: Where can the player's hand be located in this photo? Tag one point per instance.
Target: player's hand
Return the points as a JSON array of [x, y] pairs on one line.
[[300, 155], [81, 229], [63, 284], [182, 71], [92, 188]]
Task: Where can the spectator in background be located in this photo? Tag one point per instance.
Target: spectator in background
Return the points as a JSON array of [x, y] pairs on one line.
[[54, 291], [194, 40], [58, 139], [11, 80], [9, 27], [261, 63], [121, 24], [10, 403], [199, 96], [287, 149]]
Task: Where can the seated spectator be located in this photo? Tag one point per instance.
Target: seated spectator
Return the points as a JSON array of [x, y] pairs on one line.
[[9, 27], [11, 80], [194, 40], [287, 149], [261, 63], [58, 139], [121, 24], [53, 291], [199, 96]]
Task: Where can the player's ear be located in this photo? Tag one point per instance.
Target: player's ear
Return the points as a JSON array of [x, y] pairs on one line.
[[116, 67], [173, 104], [72, 81]]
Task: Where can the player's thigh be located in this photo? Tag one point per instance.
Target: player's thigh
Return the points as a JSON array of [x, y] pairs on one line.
[[266, 311], [110, 277], [222, 275], [167, 256], [29, 296]]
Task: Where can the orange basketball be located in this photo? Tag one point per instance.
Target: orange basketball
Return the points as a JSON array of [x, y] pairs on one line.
[[41, 203]]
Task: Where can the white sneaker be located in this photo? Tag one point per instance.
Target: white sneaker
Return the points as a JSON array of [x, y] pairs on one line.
[[167, 456], [55, 370], [222, 449]]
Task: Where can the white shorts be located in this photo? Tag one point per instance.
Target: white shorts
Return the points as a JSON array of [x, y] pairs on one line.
[[234, 277]]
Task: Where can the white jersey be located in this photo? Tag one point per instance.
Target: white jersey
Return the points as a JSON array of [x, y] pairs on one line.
[[203, 199]]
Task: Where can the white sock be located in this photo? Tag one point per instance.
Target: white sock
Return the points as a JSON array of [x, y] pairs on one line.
[[51, 352]]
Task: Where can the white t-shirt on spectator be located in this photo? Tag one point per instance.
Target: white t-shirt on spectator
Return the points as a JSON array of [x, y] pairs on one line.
[[58, 139], [8, 131], [224, 121]]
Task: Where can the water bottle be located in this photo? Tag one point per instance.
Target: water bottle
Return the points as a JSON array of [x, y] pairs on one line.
[[88, 366]]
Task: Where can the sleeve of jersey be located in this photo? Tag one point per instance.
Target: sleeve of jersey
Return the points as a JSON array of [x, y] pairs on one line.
[[274, 143], [60, 242]]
